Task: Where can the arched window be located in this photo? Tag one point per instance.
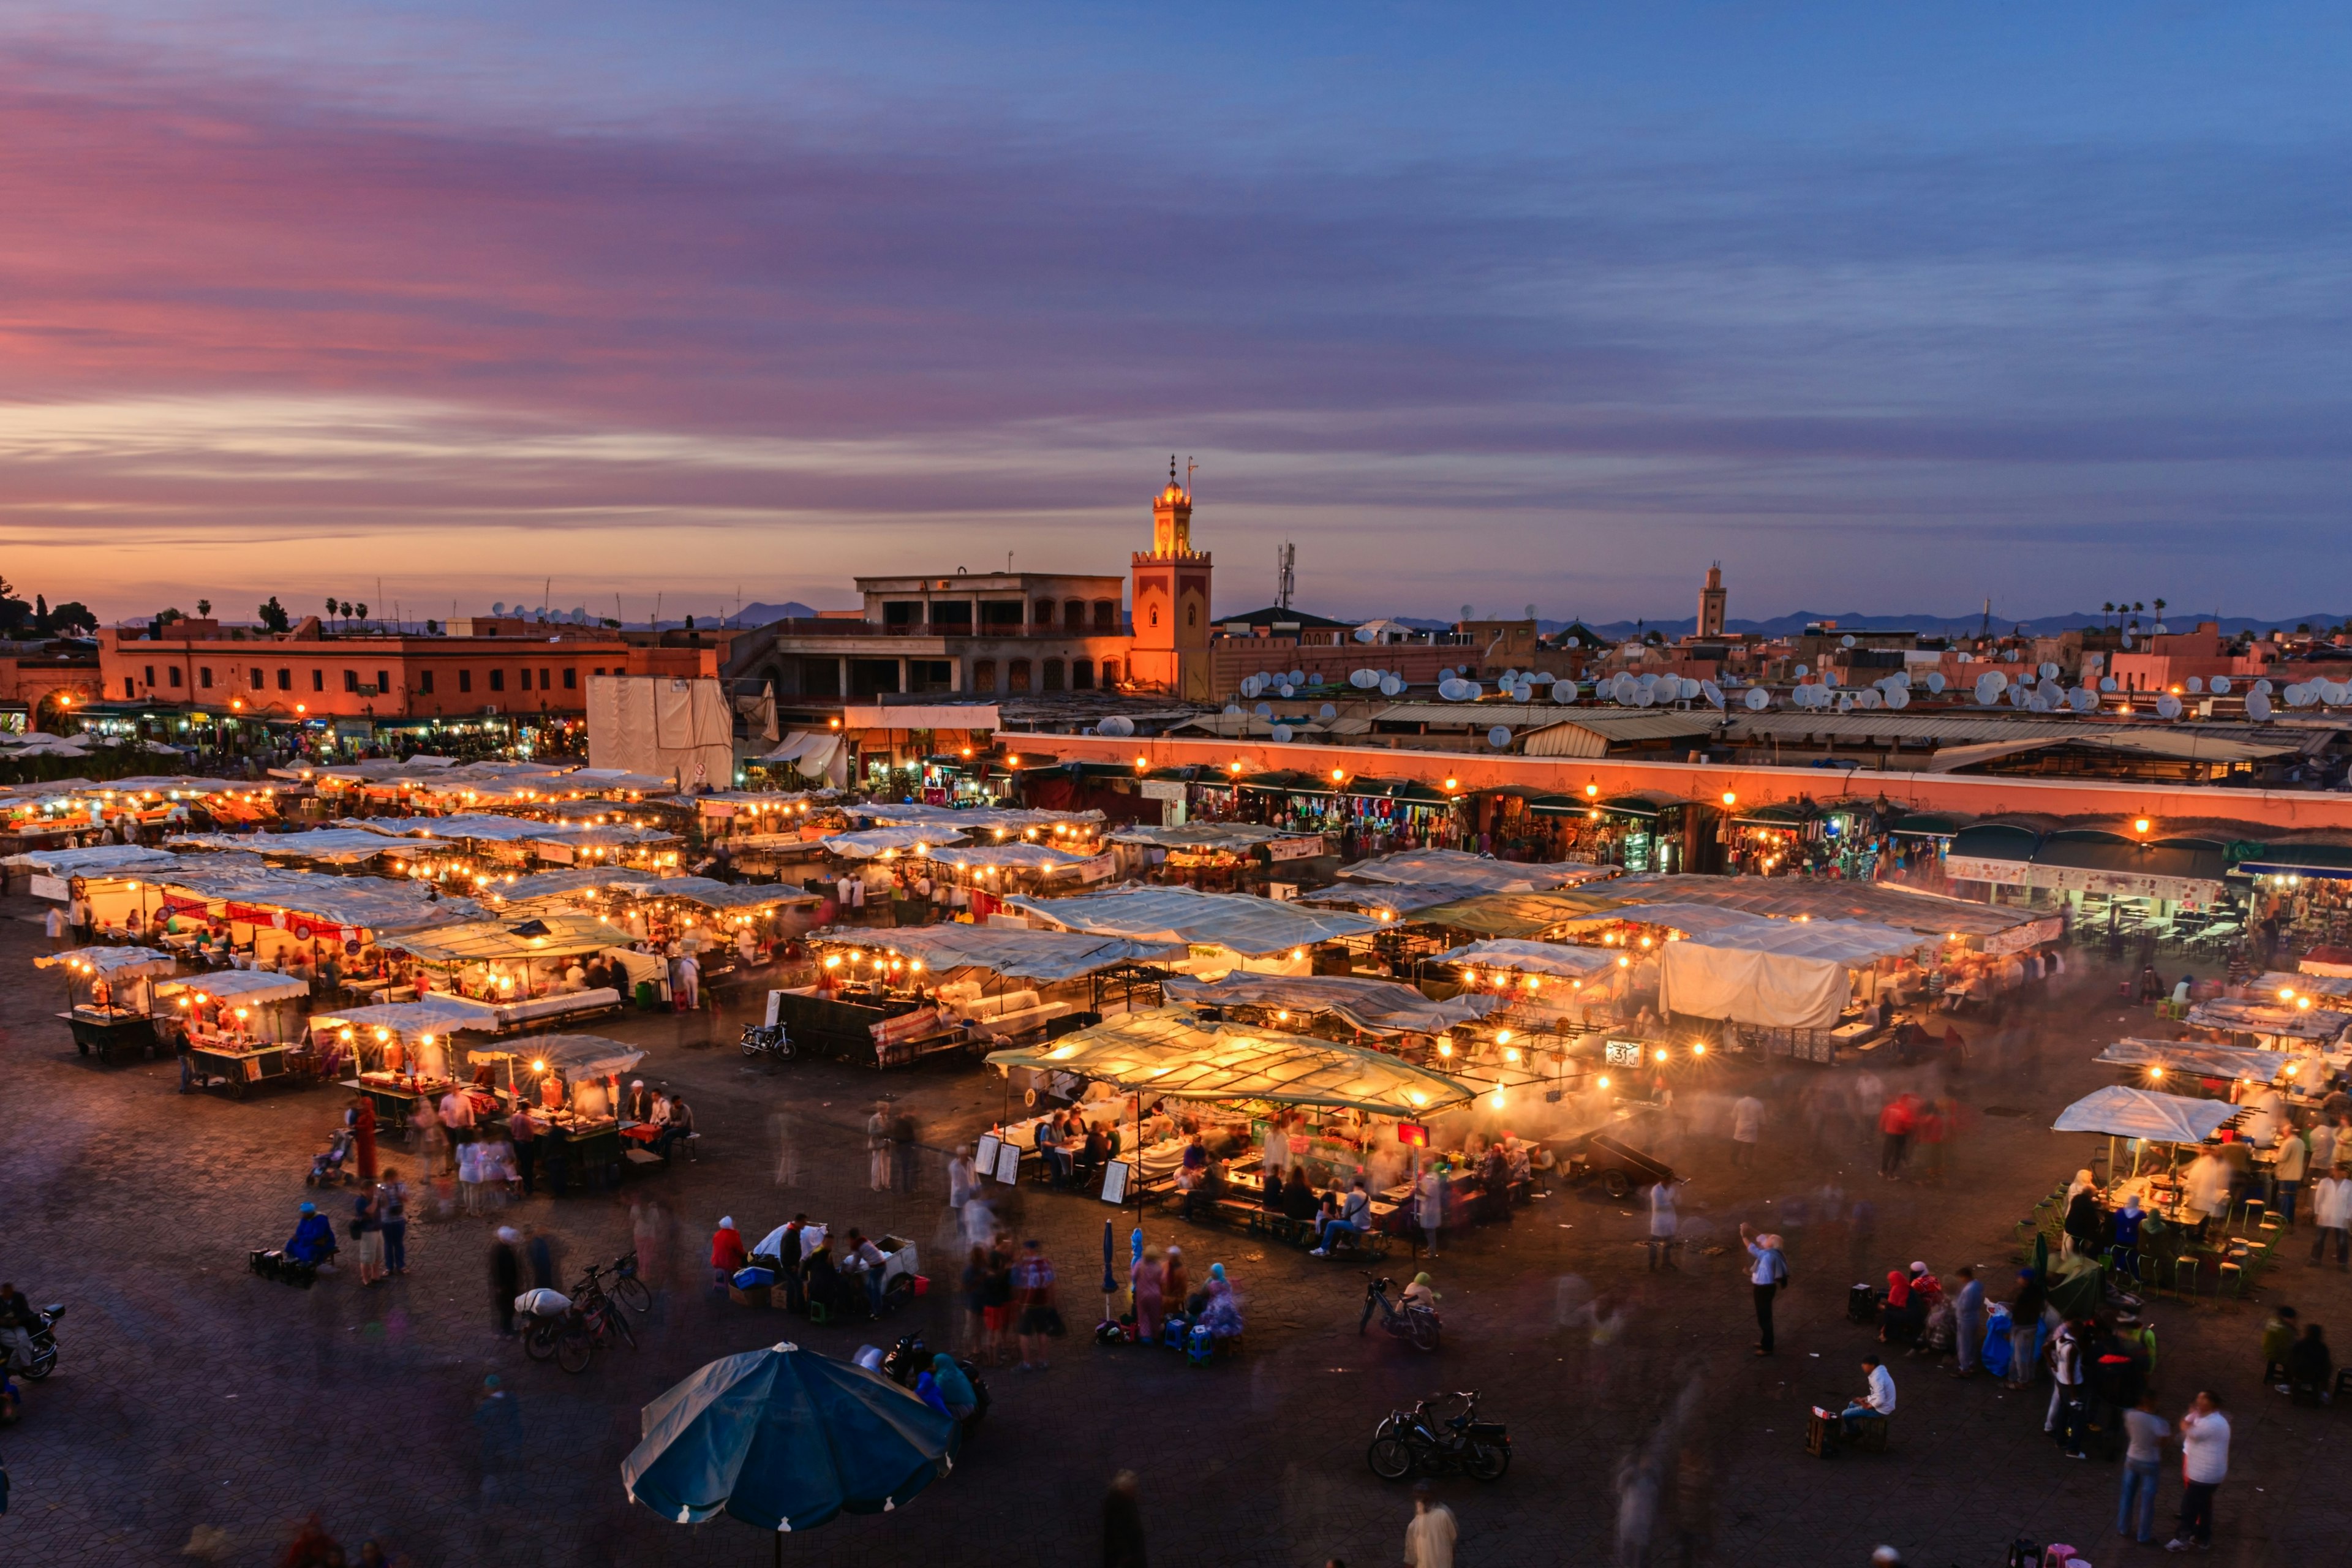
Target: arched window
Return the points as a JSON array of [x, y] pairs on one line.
[[1073, 615], [1192, 614], [1045, 613], [1017, 675], [1111, 672], [983, 675], [1106, 615], [1082, 675], [1053, 675], [1155, 615]]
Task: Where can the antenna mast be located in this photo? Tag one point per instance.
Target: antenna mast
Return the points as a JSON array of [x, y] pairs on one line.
[[1285, 575]]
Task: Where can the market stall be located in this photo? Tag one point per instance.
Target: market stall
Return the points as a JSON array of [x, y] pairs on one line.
[[531, 971], [115, 1012], [572, 1083], [2153, 1128], [104, 886], [2182, 1067], [2271, 1026], [400, 1051], [1541, 988], [1350, 1112], [1369, 1006], [1213, 856], [234, 1025]]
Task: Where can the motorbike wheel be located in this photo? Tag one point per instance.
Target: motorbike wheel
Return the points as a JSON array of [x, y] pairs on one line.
[[574, 1349], [44, 1361], [1485, 1464], [630, 1290], [749, 1049], [1391, 1459], [538, 1339]]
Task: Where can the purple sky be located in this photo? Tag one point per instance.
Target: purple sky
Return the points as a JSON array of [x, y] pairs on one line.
[[1544, 306]]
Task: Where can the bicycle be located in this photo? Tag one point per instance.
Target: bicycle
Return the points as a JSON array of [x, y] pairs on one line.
[[546, 1338], [589, 1329], [627, 1288]]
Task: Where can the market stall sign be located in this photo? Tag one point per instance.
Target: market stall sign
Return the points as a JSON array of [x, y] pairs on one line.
[[1623, 1053], [1295, 848], [1414, 1135]]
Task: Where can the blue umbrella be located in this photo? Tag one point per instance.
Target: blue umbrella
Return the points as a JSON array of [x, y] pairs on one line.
[[1109, 1283], [785, 1439]]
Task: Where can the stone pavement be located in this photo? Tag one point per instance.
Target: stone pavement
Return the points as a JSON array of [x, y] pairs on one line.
[[191, 1394]]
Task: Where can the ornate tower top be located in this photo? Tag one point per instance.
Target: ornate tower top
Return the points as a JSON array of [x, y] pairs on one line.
[[1171, 518]]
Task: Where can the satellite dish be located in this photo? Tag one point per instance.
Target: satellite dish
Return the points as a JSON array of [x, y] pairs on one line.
[[1869, 698], [1281, 733], [1118, 724], [2334, 691], [2219, 686], [2167, 706], [1576, 642], [2083, 700], [1391, 686], [2258, 707], [2161, 629], [1935, 681], [1846, 703], [1989, 687], [2127, 639], [1711, 691], [1286, 689], [1365, 634], [1563, 691], [2049, 672], [1328, 711], [1829, 677], [2106, 683], [1543, 678], [1362, 680], [1500, 736], [1511, 676], [1846, 641], [1623, 686], [1643, 696], [1445, 675], [1899, 698], [1298, 677], [1802, 672], [2264, 686], [2196, 685], [1451, 690], [1265, 710], [1758, 700], [1232, 709]]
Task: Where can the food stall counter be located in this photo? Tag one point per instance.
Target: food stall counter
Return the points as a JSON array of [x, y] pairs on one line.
[[103, 1031]]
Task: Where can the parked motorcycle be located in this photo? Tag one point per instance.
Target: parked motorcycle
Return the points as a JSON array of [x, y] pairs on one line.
[[1415, 1442], [44, 1343], [767, 1042], [1417, 1325], [906, 1360]]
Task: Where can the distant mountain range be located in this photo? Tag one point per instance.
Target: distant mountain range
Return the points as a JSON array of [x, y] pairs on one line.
[[1933, 626]]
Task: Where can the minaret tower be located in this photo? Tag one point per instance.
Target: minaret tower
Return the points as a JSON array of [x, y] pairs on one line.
[[1171, 600]]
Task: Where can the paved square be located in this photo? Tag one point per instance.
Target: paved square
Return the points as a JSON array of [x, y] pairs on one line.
[[194, 1397]]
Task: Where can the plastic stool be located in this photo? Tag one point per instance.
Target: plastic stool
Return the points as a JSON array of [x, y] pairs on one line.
[[2184, 1277], [2251, 1215], [2230, 1277], [817, 1314]]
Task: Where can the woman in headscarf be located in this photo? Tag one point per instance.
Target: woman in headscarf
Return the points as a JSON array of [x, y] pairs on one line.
[[1421, 1293], [1224, 1313], [954, 1387], [1147, 1278], [1899, 1324], [313, 1240]]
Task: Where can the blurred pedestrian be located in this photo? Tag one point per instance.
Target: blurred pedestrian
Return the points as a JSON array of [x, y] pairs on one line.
[[1430, 1207], [2204, 1466], [878, 1149], [1032, 1288], [1896, 1122], [1746, 1130], [391, 1213], [505, 1278], [522, 1128], [1663, 1223], [2331, 1211], [1969, 1321], [364, 1128], [1122, 1523], [498, 1417], [1429, 1539]]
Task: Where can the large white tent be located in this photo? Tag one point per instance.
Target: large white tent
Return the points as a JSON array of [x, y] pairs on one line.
[[1377, 1006], [2122, 1111], [1784, 974]]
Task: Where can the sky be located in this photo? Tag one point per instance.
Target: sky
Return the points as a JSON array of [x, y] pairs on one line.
[[440, 305]]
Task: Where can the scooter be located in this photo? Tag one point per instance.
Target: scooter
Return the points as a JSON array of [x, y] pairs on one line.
[[44, 1343], [1417, 1325], [1413, 1440]]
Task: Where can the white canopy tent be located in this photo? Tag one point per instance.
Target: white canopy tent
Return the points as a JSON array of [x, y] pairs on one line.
[[879, 843], [2122, 1111], [1520, 957], [1250, 927], [1785, 974], [1010, 951]]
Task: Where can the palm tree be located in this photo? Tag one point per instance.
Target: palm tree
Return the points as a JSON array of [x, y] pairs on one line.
[[330, 606], [363, 612], [2159, 610], [2106, 610], [204, 608]]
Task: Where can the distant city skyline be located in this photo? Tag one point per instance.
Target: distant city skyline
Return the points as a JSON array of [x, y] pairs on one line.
[[1878, 310]]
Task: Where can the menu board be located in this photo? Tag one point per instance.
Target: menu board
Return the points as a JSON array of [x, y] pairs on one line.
[[1114, 1188], [1008, 1164], [986, 1161]]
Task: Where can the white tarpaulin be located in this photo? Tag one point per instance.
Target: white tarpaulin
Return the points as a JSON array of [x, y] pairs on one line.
[[1533, 958], [680, 729], [2194, 1059], [2121, 1112], [879, 841], [1380, 1006], [433, 1013], [97, 860], [1769, 989], [1249, 926], [966, 716], [1783, 974], [813, 754], [1044, 955], [1479, 873]]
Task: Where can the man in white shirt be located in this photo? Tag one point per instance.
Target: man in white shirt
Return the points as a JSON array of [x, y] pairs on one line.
[[2323, 1145], [2286, 1177], [1876, 1404], [2331, 1210], [2204, 1464], [1747, 1128]]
